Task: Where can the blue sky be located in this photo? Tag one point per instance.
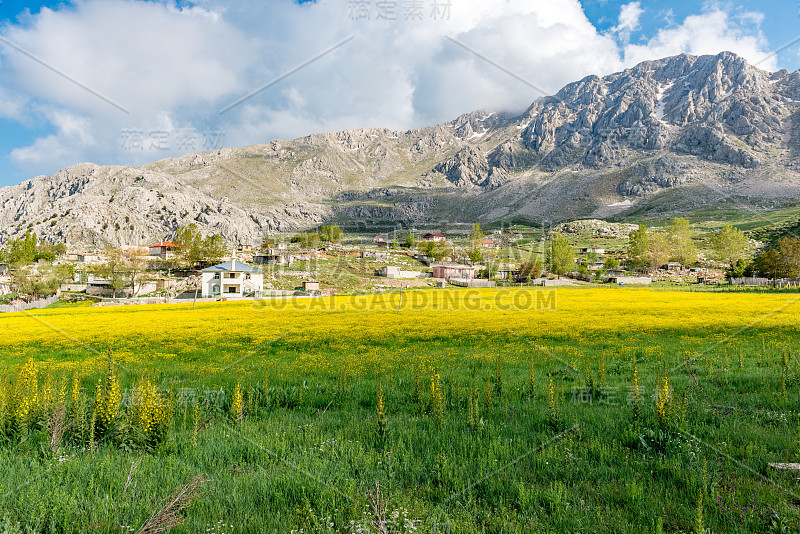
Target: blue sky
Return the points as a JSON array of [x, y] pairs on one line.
[[129, 82]]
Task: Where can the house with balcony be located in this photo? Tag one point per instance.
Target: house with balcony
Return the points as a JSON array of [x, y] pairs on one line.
[[232, 279]]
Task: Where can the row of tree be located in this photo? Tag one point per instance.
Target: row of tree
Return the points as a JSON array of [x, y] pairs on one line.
[[654, 248], [328, 233], [27, 250], [31, 264], [122, 269], [195, 250], [730, 246], [34, 273], [779, 261]]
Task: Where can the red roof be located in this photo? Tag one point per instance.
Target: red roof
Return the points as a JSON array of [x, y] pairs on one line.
[[165, 244], [433, 235]]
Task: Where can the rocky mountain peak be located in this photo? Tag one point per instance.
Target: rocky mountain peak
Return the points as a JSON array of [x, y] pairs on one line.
[[599, 146]]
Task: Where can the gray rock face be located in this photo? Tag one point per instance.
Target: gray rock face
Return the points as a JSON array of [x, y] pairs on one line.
[[662, 125], [469, 168], [652, 175], [690, 104]]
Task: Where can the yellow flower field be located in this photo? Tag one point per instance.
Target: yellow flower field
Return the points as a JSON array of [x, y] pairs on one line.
[[363, 330]]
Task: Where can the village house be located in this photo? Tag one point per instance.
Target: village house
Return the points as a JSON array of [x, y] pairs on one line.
[[589, 250], [84, 257], [165, 250], [380, 242], [453, 270], [507, 274], [433, 237], [273, 256], [232, 279], [396, 273], [595, 264], [310, 285]]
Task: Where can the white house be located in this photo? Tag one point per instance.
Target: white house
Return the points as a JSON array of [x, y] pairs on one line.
[[232, 279], [395, 272], [434, 237]]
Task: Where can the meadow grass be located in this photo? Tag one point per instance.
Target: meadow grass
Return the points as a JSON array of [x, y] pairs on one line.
[[493, 418]]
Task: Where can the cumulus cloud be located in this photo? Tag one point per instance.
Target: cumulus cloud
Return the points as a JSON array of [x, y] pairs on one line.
[[175, 68], [74, 134], [710, 32], [629, 15]]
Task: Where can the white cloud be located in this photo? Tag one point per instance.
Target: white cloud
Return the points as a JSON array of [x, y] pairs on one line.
[[178, 67], [629, 15], [74, 134], [12, 106], [710, 32]]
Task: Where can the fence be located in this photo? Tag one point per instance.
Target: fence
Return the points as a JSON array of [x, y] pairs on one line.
[[783, 282], [35, 305]]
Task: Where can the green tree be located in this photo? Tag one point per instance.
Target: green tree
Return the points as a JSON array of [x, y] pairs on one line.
[[435, 250], [739, 269], [659, 249], [769, 264], [475, 255], [196, 250], [49, 253], [530, 269], [330, 233], [639, 247], [789, 249], [679, 234], [214, 249], [190, 240], [477, 233], [41, 279], [611, 263], [490, 271], [136, 271], [410, 240], [22, 251], [426, 247], [114, 269], [268, 243], [560, 255], [729, 245], [307, 240]]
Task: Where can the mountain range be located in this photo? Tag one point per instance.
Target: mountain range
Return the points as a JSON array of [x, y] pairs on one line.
[[665, 137]]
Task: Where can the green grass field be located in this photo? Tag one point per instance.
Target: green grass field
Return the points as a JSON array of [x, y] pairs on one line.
[[492, 419]]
